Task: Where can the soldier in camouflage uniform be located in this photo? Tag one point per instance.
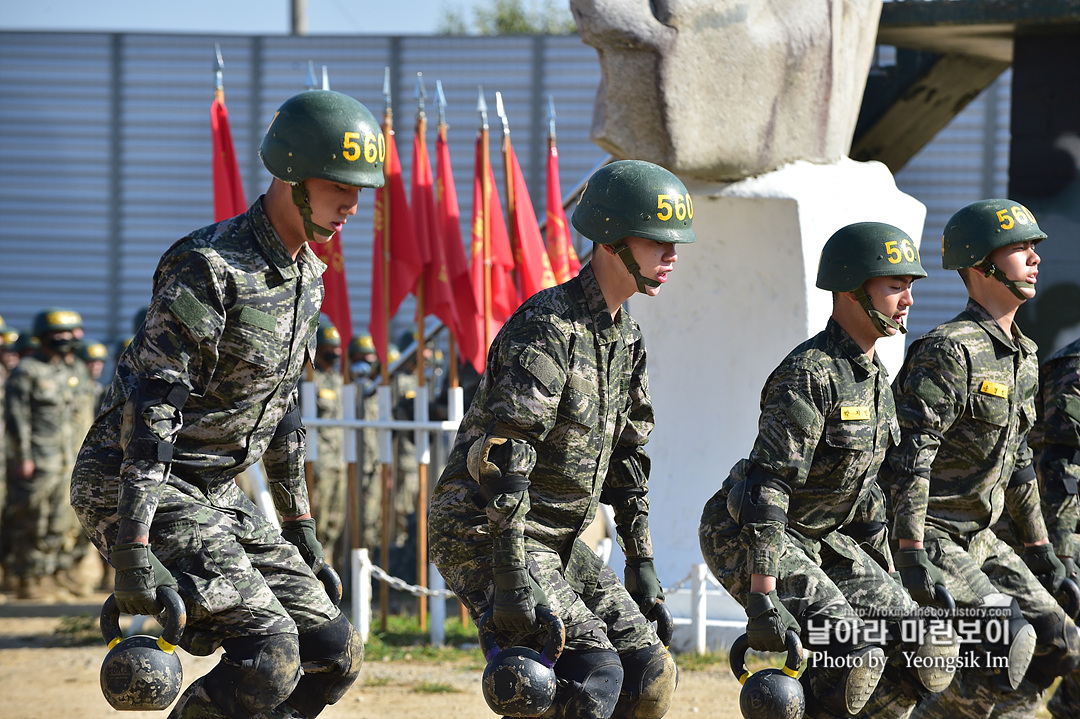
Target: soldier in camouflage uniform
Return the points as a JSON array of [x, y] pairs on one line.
[[1055, 440], [797, 531], [330, 498], [43, 396], [363, 368], [559, 424], [965, 402], [207, 388], [8, 335]]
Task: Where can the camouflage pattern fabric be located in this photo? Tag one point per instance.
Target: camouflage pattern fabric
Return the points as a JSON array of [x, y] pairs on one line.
[[965, 399], [569, 383], [406, 468], [43, 398], [1055, 440], [233, 318], [329, 499], [368, 471], [826, 420]]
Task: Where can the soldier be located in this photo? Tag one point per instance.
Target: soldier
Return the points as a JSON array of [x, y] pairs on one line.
[[1055, 440], [796, 533], [8, 360], [363, 368], [330, 498], [43, 395], [965, 400], [559, 424], [207, 388]]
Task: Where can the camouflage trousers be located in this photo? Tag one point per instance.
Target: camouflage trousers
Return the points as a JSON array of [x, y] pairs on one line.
[[237, 576], [976, 567], [329, 506], [599, 615], [37, 521], [833, 586]]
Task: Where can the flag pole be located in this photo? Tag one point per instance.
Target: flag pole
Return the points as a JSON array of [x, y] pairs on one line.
[[451, 349], [511, 201], [421, 395], [384, 369], [485, 185]]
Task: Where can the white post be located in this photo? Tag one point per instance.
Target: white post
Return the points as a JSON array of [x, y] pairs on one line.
[[361, 593], [262, 494], [699, 606], [310, 410], [386, 439], [348, 413], [438, 608]]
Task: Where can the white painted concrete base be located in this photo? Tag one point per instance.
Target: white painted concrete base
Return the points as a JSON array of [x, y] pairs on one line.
[[739, 300]]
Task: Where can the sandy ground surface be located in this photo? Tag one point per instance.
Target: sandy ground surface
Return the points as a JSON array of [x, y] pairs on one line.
[[42, 677]]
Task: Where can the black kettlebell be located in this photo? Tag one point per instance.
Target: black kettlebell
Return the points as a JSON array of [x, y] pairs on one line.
[[331, 583], [518, 681], [143, 672], [770, 693], [665, 624]]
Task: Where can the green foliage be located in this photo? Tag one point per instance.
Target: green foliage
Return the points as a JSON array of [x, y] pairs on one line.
[[435, 688], [511, 17], [79, 630], [403, 640]]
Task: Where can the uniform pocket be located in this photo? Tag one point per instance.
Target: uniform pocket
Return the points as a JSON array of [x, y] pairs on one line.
[[179, 545], [990, 409], [856, 436], [579, 404]]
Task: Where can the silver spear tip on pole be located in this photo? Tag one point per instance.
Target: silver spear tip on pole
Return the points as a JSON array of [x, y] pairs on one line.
[[421, 94], [325, 78], [501, 112], [551, 116], [441, 99], [311, 82], [481, 106], [219, 68]]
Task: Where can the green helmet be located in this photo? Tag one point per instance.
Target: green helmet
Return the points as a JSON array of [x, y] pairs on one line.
[[863, 250], [56, 319], [634, 198], [92, 351], [328, 334], [362, 344], [328, 135], [978, 229]]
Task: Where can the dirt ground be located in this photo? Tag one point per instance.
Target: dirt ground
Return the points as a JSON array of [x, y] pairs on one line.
[[42, 677]]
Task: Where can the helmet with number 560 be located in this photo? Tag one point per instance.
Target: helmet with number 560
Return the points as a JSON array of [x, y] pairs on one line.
[[978, 229]]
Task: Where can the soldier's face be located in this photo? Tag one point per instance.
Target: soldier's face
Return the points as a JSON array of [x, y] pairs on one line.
[[656, 260], [331, 204], [1018, 262], [891, 296]]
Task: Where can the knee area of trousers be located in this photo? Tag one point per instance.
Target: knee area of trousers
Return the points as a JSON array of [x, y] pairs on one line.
[[650, 677], [843, 686], [1057, 652], [588, 684], [255, 674], [332, 656]]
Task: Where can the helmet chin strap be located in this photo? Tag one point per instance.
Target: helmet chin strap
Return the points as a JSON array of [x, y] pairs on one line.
[[989, 269], [300, 199], [881, 321], [627, 257]]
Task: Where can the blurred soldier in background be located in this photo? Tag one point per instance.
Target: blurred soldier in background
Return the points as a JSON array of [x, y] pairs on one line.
[[8, 335], [364, 369], [329, 499]]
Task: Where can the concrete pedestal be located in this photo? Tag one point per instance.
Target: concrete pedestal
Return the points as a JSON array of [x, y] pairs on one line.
[[738, 301]]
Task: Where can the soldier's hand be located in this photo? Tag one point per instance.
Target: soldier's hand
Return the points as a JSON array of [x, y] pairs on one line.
[[138, 575], [514, 608], [641, 582], [301, 534], [1045, 565], [768, 622], [918, 575]]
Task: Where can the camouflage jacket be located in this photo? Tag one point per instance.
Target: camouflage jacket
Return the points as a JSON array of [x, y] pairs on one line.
[[965, 399], [570, 382], [328, 386], [233, 318], [1055, 440], [44, 399], [826, 420]]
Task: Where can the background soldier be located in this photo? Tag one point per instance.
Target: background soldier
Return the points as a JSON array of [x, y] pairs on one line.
[[1055, 440], [965, 400], [43, 395], [364, 367], [797, 531], [329, 501], [559, 424], [8, 335], [207, 388]]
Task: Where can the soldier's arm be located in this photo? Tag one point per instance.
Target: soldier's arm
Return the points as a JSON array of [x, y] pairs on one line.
[[176, 357], [931, 391], [284, 462], [18, 415], [626, 485], [1056, 442], [1023, 501]]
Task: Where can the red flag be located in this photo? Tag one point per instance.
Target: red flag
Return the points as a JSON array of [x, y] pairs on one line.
[[228, 189], [335, 303], [438, 295], [530, 257], [402, 256], [504, 295], [564, 260], [470, 342]]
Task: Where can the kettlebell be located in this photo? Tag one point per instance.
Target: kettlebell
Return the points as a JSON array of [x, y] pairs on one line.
[[665, 624], [770, 693], [143, 672], [331, 583], [518, 681]]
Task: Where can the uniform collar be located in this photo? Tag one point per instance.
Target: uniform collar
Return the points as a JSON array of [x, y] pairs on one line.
[[851, 350], [274, 249], [607, 329], [981, 316]]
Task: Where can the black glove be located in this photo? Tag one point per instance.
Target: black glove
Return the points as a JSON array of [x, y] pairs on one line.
[[641, 582], [301, 533], [1045, 565], [516, 599], [138, 575], [768, 621], [918, 575]]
